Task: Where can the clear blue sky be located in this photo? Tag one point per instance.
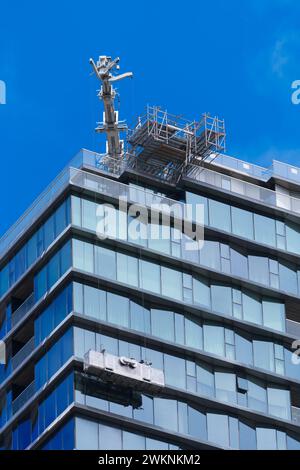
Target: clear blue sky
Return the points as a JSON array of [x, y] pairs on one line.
[[235, 58]]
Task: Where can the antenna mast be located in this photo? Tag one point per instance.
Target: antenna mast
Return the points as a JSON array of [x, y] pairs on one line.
[[111, 124]]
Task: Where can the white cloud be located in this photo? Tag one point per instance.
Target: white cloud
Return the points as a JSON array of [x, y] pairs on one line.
[[280, 57]]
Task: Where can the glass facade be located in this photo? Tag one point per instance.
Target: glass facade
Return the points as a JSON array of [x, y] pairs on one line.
[[35, 247], [231, 380], [282, 234], [226, 258], [153, 277]]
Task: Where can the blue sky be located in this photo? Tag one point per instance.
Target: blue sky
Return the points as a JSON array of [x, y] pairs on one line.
[[234, 58]]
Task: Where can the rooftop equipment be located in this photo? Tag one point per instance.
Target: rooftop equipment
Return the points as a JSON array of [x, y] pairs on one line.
[[161, 145]]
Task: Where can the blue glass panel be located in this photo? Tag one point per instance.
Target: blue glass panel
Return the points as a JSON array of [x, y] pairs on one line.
[[242, 222], [219, 215], [261, 234]]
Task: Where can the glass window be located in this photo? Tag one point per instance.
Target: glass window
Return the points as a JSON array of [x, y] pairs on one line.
[[247, 437], [243, 350], [266, 439], [221, 299], [53, 270], [214, 339], [162, 323], [193, 334], [217, 429], [171, 282], [89, 215], [154, 444], [257, 396], [133, 441], [49, 231], [234, 432], [109, 438], [165, 413], [210, 255], [259, 269], [159, 238], [83, 256], [60, 218], [65, 258], [50, 412], [150, 276], [225, 387], [194, 199], [279, 402], [76, 210], [127, 269], [292, 444], [105, 261], [261, 234], [139, 318], [179, 329], [32, 250], [274, 314], [205, 381], [201, 292], [175, 371], [197, 424], [145, 413], [263, 354], [219, 215], [86, 434], [292, 370], [239, 263], [94, 303], [252, 308], [40, 283], [288, 278], [117, 309], [242, 222], [293, 237]]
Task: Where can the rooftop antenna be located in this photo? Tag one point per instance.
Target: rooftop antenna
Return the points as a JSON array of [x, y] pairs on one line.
[[111, 124]]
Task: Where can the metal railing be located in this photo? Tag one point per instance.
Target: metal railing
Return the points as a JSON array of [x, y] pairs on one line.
[[23, 398], [277, 169], [23, 353], [133, 195], [243, 188], [22, 310], [241, 166]]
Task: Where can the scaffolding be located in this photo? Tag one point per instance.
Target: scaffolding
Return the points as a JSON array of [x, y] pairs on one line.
[[164, 145]]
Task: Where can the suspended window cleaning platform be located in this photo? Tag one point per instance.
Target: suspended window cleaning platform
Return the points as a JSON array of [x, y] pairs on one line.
[[124, 371]]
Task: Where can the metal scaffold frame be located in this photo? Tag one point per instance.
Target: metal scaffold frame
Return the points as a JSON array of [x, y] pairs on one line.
[[165, 144]]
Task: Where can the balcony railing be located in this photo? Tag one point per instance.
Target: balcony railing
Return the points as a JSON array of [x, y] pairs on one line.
[[23, 398], [241, 166], [22, 310], [23, 353], [277, 169], [243, 188]]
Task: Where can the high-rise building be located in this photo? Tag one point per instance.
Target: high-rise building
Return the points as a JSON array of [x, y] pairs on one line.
[[119, 339]]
